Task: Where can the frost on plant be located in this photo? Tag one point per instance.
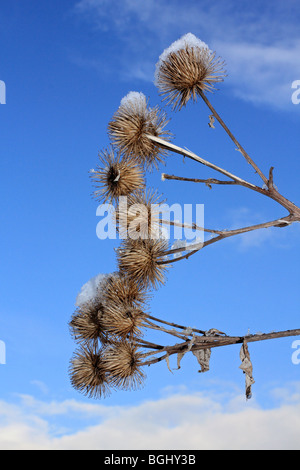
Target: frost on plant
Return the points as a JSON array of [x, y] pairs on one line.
[[136, 100], [92, 289], [188, 41], [186, 69]]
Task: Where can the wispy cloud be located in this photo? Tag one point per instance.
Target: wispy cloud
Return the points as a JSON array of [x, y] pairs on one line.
[[276, 237], [178, 421], [41, 386], [261, 45], [262, 73]]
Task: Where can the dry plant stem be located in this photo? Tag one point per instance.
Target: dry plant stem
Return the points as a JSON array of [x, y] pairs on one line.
[[270, 192], [146, 344], [194, 226], [214, 342], [208, 181], [240, 148], [226, 234], [165, 330], [175, 325], [193, 156]]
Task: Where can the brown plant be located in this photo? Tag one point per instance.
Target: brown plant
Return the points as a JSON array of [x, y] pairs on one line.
[[120, 290], [86, 324], [139, 217], [87, 372], [142, 260], [129, 128], [115, 176], [116, 317], [187, 70], [123, 362], [123, 320]]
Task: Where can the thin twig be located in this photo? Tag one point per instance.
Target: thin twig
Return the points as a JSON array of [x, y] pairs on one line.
[[175, 325], [193, 226], [147, 344], [222, 235], [271, 180], [240, 148], [219, 341], [165, 330], [208, 181], [193, 156], [270, 192]]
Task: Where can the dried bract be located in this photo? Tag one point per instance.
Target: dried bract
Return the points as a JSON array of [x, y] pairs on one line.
[[87, 372], [123, 361], [187, 68], [122, 290], [116, 176], [141, 261], [86, 323], [139, 218], [123, 320], [130, 125]]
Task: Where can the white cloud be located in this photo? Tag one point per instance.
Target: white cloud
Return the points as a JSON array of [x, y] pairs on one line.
[[277, 237], [40, 385], [260, 46], [260, 73], [178, 421]]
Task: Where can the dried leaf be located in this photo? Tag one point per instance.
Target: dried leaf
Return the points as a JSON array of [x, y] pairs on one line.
[[191, 343], [179, 357], [247, 369], [168, 363], [181, 354], [211, 121], [214, 332], [203, 357]]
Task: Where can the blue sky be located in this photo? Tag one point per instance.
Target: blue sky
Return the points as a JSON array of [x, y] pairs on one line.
[[66, 66]]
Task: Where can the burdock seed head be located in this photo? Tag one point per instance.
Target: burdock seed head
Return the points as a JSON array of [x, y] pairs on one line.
[[120, 290], [116, 176], [87, 372], [122, 361], [86, 324], [140, 217], [141, 260], [123, 320], [130, 125], [186, 69]]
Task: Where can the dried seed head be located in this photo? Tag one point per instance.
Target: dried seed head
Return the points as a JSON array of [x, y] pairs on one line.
[[187, 68], [116, 176], [123, 361], [140, 260], [130, 125], [122, 290], [86, 325], [123, 320], [140, 217], [88, 374]]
